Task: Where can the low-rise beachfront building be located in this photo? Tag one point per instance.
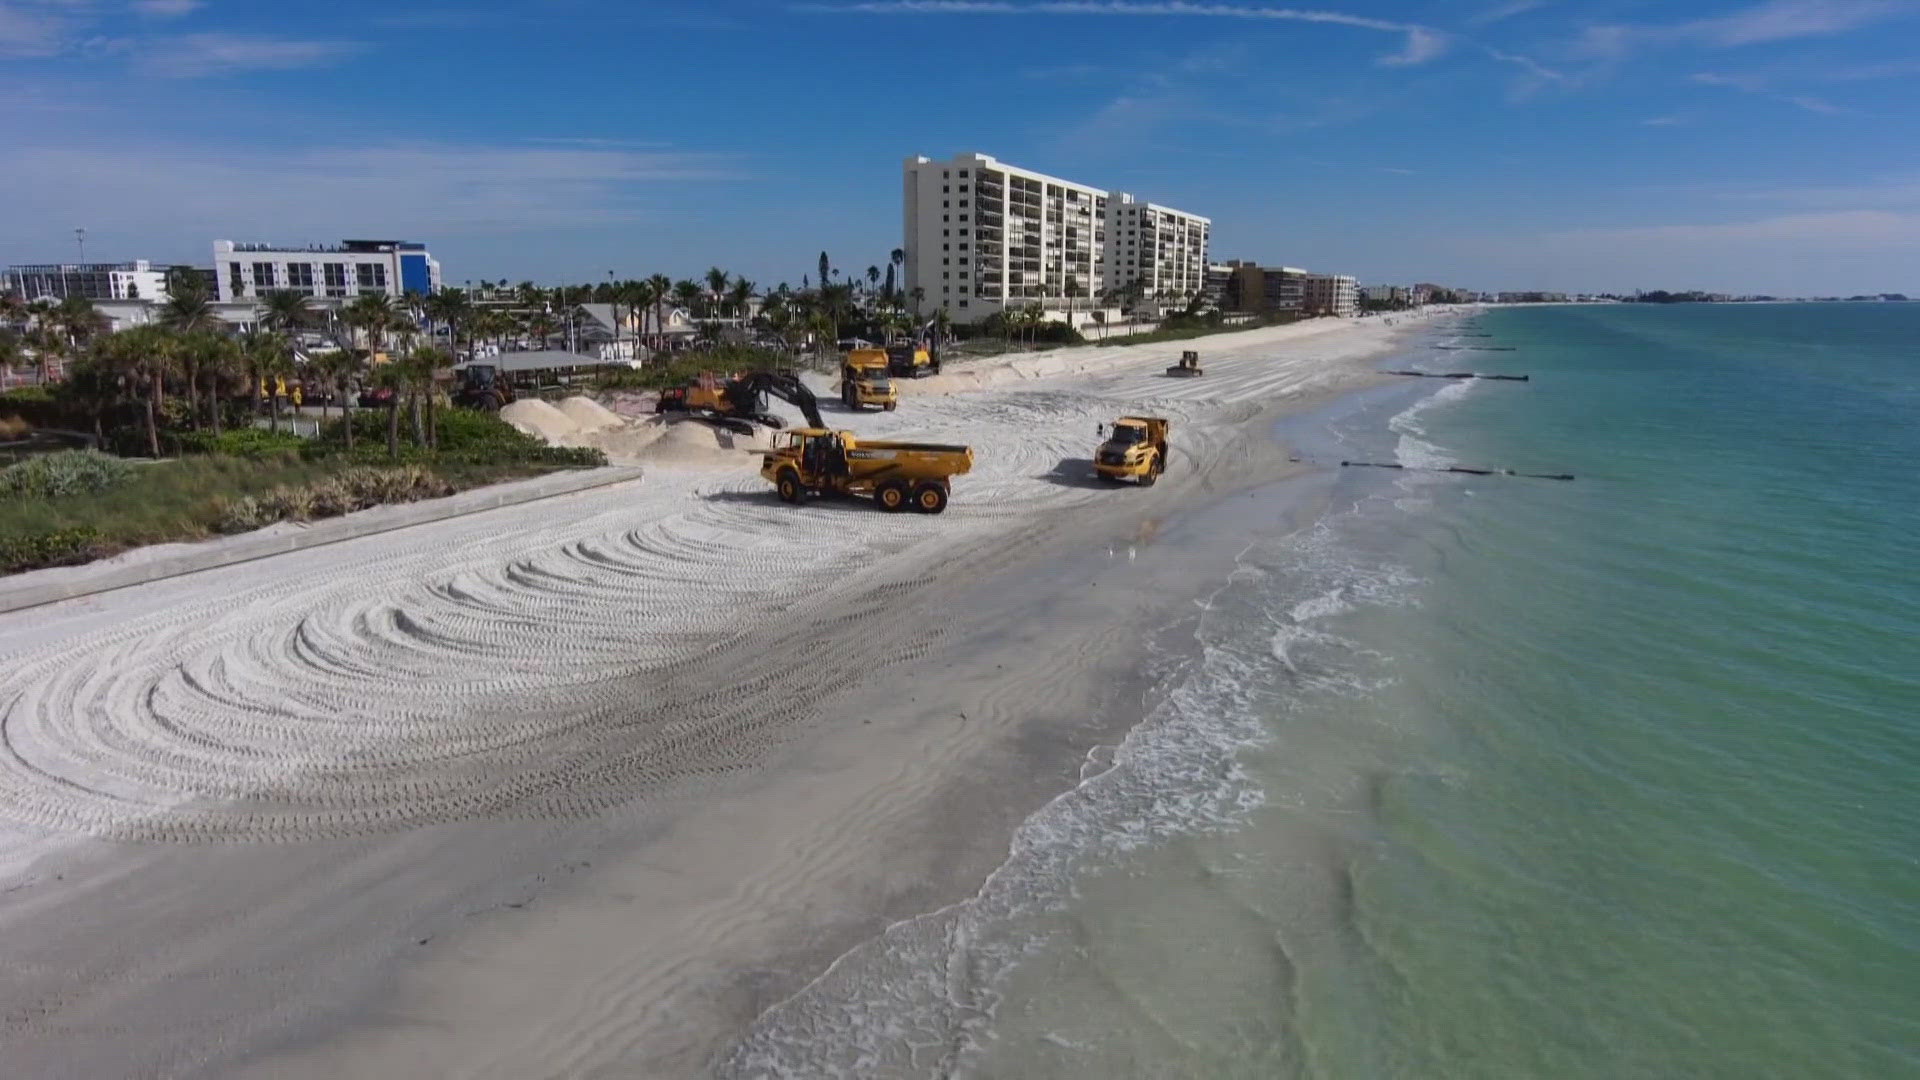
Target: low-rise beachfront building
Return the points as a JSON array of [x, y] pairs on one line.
[[339, 273], [982, 236], [1393, 296], [136, 280], [1330, 294]]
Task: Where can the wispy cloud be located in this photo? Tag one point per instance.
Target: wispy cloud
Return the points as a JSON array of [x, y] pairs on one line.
[[1663, 121], [1783, 20], [193, 56], [291, 194], [1502, 12], [34, 29], [1773, 21], [1754, 84], [1421, 43], [167, 9]]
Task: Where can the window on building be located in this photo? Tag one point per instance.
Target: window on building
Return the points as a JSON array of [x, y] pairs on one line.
[[262, 276], [945, 204], [944, 217], [963, 303], [236, 282], [300, 275]]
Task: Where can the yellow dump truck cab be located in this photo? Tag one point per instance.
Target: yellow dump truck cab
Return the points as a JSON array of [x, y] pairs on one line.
[[1134, 448], [897, 475], [864, 381]]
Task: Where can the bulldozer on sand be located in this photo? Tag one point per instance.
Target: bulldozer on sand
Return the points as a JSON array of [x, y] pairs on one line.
[[1188, 367], [737, 402], [913, 361], [1134, 448], [897, 475], [864, 382], [483, 387]]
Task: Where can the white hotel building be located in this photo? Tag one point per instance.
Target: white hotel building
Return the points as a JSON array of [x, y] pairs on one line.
[[353, 268], [982, 236]]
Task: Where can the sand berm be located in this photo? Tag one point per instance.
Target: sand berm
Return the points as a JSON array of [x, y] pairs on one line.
[[580, 787]]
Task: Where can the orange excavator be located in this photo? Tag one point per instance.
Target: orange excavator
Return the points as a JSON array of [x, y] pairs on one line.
[[737, 402]]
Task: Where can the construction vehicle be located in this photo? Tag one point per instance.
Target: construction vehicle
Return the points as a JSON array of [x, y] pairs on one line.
[[898, 475], [863, 380], [1136, 448], [1188, 367], [483, 387], [913, 361], [738, 402]]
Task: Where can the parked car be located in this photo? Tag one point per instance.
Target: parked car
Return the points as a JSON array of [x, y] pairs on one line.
[[376, 397]]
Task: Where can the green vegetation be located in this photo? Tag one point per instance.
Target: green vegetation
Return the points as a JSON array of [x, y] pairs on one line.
[[1184, 327], [71, 472], [358, 488]]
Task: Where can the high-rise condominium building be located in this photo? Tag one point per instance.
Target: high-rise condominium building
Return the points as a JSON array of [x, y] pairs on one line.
[[351, 269], [982, 236]]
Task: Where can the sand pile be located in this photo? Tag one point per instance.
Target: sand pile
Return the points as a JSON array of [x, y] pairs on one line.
[[590, 415], [540, 420], [691, 442]]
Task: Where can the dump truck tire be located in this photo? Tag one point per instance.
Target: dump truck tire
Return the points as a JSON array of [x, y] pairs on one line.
[[892, 496], [890, 406], [1152, 474], [930, 498], [789, 486]]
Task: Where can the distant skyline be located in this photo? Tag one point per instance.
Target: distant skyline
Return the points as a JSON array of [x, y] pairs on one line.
[[1740, 147]]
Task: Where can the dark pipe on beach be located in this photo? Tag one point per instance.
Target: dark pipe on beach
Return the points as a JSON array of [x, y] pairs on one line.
[[1457, 375], [1455, 469]]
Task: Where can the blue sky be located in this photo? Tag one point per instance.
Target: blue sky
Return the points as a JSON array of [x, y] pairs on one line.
[[1749, 146]]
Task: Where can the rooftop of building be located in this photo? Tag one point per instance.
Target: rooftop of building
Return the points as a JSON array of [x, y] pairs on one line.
[[348, 247]]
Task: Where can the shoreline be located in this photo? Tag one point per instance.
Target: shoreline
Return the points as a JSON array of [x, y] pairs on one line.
[[557, 928]]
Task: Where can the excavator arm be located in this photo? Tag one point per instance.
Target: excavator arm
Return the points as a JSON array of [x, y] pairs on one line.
[[750, 390]]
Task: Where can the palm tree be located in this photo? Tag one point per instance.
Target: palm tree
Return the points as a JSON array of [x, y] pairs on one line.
[[77, 319], [392, 376], [286, 311], [897, 258], [374, 314], [687, 294], [662, 287], [142, 357], [269, 359], [826, 269], [716, 288], [214, 356], [873, 279], [919, 296], [740, 296]]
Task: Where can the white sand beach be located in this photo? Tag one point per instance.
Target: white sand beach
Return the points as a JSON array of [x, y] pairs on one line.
[[581, 787]]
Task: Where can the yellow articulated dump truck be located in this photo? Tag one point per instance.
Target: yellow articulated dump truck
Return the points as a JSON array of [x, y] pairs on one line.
[[864, 382], [1135, 448], [898, 475]]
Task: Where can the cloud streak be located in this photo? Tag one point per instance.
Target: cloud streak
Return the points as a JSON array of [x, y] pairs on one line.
[[1773, 21], [1421, 43], [193, 56], [175, 198], [1752, 84]]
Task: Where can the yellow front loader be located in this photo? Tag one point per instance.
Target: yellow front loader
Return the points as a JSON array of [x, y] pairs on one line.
[[898, 475]]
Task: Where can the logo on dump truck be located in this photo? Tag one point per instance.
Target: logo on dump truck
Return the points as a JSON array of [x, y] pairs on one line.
[[871, 455]]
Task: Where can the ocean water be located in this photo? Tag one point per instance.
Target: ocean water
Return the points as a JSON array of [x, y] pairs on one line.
[[1488, 776]]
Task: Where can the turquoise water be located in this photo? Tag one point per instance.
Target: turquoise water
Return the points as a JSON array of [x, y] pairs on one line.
[[1495, 777], [1618, 777]]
